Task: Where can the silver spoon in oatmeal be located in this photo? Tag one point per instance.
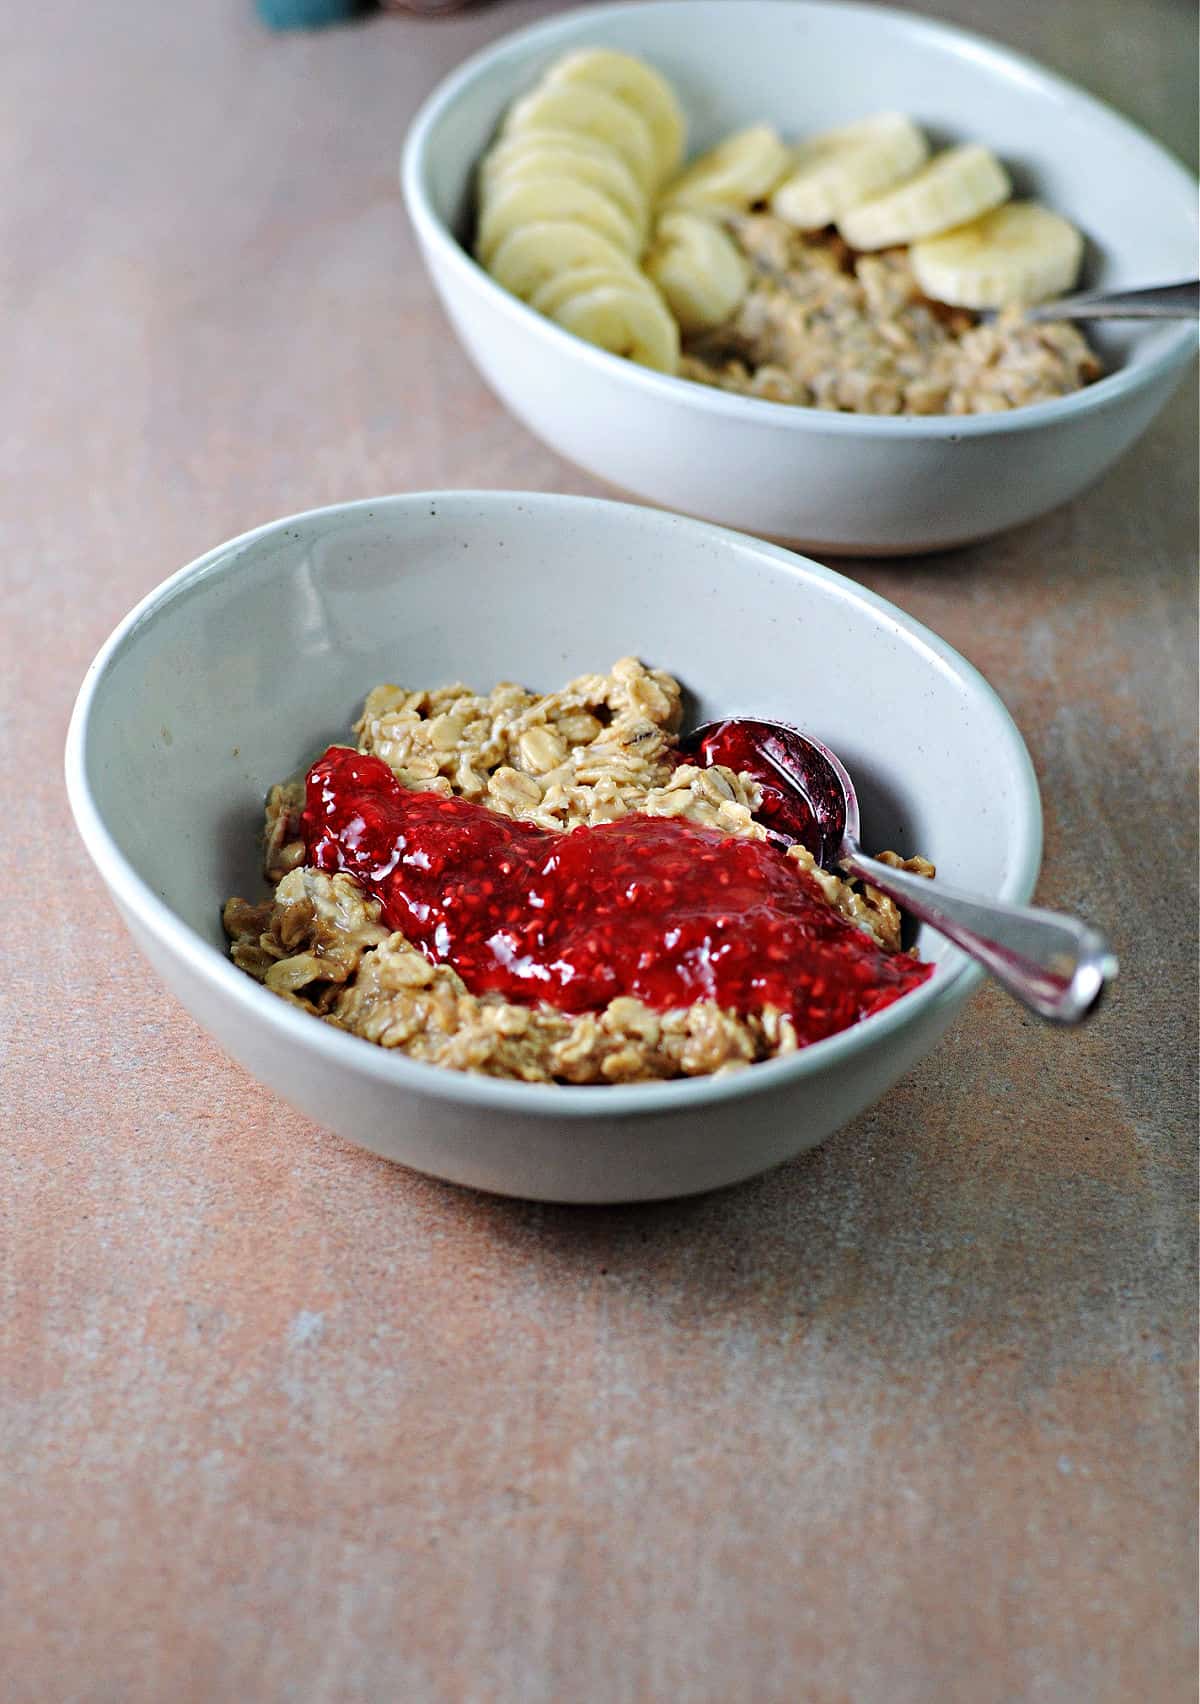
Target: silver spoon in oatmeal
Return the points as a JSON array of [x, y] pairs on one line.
[[1160, 301], [1056, 966]]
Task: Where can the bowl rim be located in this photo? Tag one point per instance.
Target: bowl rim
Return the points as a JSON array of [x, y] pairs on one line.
[[1109, 390], [950, 984]]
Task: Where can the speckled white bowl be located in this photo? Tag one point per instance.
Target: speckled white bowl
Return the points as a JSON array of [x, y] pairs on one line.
[[244, 666], [836, 482]]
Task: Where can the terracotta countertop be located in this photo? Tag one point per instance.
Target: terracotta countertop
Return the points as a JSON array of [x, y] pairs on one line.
[[909, 1419]]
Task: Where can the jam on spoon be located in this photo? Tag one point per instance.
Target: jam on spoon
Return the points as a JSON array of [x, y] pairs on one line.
[[799, 800], [1055, 965], [647, 906]]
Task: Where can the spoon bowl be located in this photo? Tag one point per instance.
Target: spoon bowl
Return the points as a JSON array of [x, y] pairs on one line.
[[1056, 966], [808, 796]]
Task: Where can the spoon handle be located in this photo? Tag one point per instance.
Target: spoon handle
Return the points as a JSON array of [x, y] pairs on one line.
[[1160, 301], [1055, 965]]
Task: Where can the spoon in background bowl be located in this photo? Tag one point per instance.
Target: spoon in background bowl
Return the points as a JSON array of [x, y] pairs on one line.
[[1160, 301], [1056, 966]]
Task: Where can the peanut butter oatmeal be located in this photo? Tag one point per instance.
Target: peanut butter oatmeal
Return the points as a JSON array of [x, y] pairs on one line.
[[825, 327], [498, 777]]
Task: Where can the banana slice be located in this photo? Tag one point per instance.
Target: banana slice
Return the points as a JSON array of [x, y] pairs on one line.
[[567, 153], [573, 282], [534, 253], [738, 171], [573, 107], [1016, 254], [837, 170], [699, 269], [955, 186], [529, 200], [627, 319], [633, 81]]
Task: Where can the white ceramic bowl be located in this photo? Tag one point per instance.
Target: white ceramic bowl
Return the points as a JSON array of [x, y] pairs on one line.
[[244, 666], [837, 482]]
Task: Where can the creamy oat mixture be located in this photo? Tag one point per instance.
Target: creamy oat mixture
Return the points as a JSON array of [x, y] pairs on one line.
[[596, 751], [824, 327]]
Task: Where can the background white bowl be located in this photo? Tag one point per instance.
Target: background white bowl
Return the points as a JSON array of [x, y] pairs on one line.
[[844, 483], [241, 669]]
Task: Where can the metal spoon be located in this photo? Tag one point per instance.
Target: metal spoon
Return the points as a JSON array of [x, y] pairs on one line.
[[1161, 301], [1055, 965]]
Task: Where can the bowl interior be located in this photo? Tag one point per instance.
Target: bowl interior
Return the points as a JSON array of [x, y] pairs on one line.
[[245, 667], [804, 66]]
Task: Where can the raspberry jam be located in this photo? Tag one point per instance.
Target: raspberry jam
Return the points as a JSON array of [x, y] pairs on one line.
[[648, 906]]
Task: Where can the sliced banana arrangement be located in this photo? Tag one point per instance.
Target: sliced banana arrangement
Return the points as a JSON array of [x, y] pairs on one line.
[[1017, 253], [552, 195], [566, 200], [699, 269], [956, 186], [625, 318], [639, 86], [571, 153], [530, 257], [732, 176], [589, 211], [596, 113], [832, 173]]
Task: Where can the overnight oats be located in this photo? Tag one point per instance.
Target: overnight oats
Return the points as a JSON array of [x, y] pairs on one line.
[[543, 887], [822, 326], [845, 269]]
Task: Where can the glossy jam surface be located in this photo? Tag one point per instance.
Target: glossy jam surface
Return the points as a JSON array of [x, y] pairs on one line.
[[647, 906]]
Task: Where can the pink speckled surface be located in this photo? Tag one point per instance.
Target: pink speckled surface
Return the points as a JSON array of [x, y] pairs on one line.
[[911, 1418]]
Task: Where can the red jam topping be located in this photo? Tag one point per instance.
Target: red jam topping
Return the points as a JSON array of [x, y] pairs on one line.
[[648, 906]]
